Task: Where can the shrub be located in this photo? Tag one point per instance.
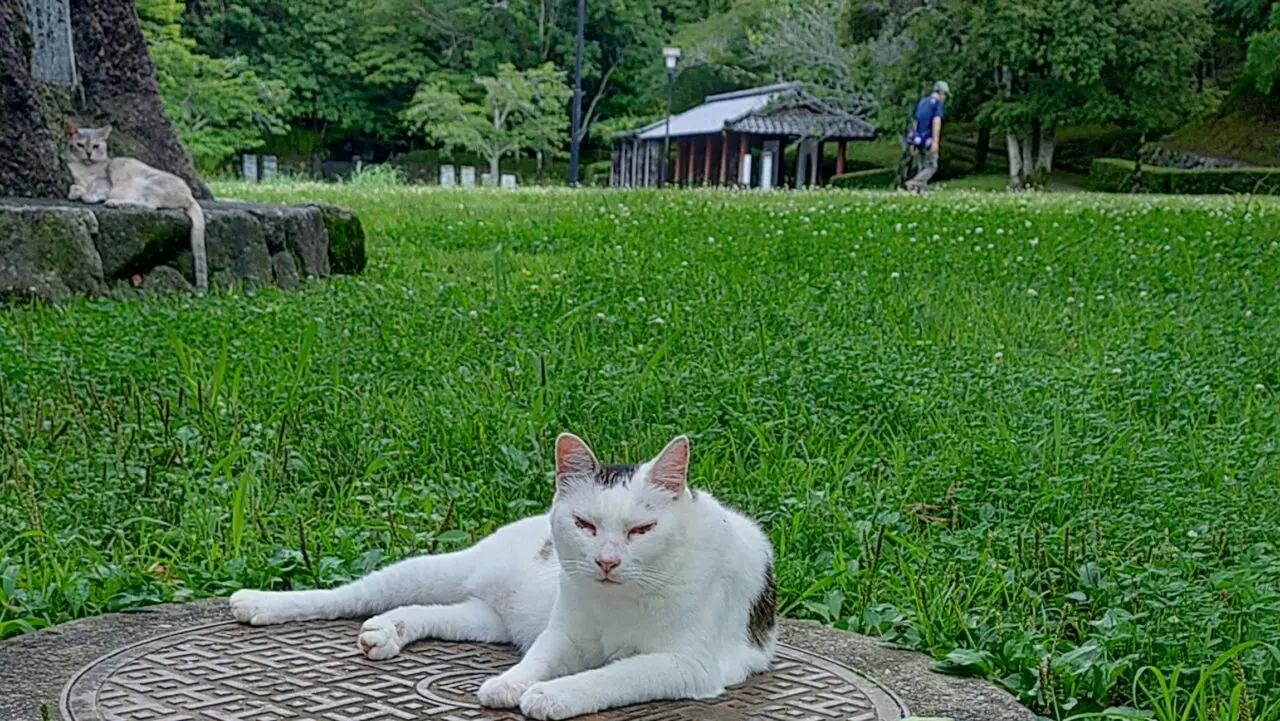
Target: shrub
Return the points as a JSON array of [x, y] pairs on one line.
[[1114, 175], [597, 173], [878, 178]]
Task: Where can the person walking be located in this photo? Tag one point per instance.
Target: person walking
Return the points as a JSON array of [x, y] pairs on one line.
[[925, 133]]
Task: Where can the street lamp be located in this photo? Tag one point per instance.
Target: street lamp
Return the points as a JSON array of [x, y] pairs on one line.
[[577, 99], [669, 56]]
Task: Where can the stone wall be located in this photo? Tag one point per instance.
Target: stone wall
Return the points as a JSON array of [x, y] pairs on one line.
[[50, 250]]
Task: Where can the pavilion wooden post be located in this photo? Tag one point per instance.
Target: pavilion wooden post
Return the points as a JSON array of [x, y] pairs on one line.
[[840, 148], [817, 163], [679, 160], [744, 152], [724, 157], [692, 169], [706, 162]]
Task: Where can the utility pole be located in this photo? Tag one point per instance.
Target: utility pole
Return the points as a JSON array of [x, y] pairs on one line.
[[574, 146]]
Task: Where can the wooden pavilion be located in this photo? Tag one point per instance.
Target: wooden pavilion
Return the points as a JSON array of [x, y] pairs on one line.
[[738, 139]]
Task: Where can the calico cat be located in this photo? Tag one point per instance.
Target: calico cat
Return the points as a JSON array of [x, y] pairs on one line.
[[118, 182], [632, 588]]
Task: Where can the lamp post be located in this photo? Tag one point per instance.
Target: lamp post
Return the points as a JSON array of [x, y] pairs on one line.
[[669, 56], [577, 99]]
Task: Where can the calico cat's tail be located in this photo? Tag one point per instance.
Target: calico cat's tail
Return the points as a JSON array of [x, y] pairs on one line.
[[196, 213]]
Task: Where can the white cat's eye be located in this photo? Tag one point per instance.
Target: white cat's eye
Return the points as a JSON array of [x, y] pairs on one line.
[[588, 527], [641, 530]]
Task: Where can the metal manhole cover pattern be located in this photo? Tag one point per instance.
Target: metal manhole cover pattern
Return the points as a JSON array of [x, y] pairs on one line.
[[314, 672]]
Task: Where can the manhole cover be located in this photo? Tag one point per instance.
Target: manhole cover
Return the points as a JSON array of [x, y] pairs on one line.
[[313, 671]]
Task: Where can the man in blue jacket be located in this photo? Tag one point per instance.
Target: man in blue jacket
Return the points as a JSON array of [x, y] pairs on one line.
[[925, 133]]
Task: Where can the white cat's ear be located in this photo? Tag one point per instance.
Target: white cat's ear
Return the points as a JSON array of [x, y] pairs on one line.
[[670, 470], [105, 132], [573, 459]]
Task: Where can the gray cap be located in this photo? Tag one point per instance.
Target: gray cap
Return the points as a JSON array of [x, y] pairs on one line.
[[942, 87]]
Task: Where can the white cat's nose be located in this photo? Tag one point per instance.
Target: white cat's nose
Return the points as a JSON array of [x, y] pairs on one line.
[[606, 565]]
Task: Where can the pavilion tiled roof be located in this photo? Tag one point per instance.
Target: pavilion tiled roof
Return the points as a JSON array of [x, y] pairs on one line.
[[782, 109], [804, 122]]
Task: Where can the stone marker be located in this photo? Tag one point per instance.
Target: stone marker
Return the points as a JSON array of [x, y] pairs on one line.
[[446, 176], [508, 180], [768, 160], [468, 176], [54, 59], [486, 179], [249, 168], [270, 166], [191, 661]]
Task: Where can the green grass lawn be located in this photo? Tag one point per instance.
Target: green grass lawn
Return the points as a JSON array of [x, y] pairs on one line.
[[1035, 436]]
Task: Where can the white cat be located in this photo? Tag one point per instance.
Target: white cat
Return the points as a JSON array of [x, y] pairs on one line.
[[633, 588]]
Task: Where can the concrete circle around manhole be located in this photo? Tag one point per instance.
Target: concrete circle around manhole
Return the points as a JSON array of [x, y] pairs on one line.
[[314, 671]]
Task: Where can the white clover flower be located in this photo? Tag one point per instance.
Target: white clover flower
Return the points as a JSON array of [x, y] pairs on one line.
[[1031, 292], [895, 275], [1071, 300], [474, 314]]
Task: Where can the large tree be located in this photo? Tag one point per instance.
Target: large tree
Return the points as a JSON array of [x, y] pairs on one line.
[[116, 86], [1036, 65], [521, 110]]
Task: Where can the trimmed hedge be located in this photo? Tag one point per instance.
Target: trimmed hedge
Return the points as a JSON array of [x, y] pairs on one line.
[[1114, 175], [876, 178]]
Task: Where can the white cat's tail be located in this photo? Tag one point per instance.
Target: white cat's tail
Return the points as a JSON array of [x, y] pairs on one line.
[[422, 580], [196, 213]]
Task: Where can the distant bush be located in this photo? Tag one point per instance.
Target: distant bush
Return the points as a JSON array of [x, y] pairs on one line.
[[597, 173], [1114, 175], [878, 179]]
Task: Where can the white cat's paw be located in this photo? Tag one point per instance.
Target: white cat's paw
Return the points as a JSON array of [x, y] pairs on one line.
[[548, 700], [261, 608], [501, 692], [381, 637]]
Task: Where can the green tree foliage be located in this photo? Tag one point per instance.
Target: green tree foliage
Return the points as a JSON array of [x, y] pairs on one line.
[[217, 105], [1057, 62], [520, 110], [1263, 64], [325, 52]]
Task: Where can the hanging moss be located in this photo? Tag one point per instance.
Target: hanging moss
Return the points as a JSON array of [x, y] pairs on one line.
[[346, 240]]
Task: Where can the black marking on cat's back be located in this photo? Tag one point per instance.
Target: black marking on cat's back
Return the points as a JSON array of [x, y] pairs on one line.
[[615, 475], [764, 611]]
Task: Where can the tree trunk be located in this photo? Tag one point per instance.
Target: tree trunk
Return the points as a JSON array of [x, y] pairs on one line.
[[495, 169], [1137, 163], [980, 156], [1016, 175], [119, 83], [29, 162], [117, 86], [1044, 154], [538, 174]]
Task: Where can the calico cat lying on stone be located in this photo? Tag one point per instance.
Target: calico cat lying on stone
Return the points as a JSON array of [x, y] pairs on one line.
[[633, 588], [117, 182]]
